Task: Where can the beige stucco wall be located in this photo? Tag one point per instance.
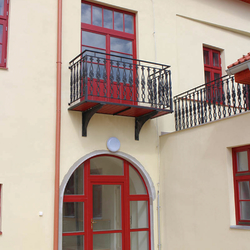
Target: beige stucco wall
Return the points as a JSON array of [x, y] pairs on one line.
[[197, 196], [28, 92]]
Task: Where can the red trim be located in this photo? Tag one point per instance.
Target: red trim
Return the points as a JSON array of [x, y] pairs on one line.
[[243, 77], [238, 178]]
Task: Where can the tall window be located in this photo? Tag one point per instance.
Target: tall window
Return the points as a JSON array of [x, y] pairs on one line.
[[4, 5], [241, 169], [212, 64], [106, 205]]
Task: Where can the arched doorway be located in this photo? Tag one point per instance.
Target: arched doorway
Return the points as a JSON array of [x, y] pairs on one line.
[[107, 205]]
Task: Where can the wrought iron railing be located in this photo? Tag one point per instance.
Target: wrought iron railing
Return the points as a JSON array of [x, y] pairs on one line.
[[119, 79], [220, 98]]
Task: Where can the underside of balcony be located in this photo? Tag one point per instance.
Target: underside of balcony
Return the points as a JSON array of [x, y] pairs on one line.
[[116, 85]]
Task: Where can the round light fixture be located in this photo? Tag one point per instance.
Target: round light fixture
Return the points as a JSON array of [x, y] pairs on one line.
[[113, 144]]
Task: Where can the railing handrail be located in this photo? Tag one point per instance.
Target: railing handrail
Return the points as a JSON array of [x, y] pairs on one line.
[[164, 66], [202, 85]]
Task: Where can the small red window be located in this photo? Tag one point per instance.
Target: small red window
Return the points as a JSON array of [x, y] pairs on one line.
[[241, 168], [4, 6]]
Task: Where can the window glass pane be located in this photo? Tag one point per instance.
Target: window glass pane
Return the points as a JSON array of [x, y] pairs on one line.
[[93, 39], [118, 21], [121, 45], [1, 33], [108, 18], [206, 56], [245, 210], [75, 183], [73, 216], [207, 76], [106, 207], [216, 59], [97, 16], [136, 185], [105, 165], [244, 190], [139, 240], [216, 76], [129, 23], [73, 242], [107, 241], [242, 161], [86, 13], [138, 214]]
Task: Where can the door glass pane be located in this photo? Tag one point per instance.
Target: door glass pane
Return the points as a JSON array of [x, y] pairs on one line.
[[242, 161], [107, 241], [106, 207], [108, 18], [86, 13], [97, 16], [129, 24], [139, 240], [106, 165], [94, 40], [216, 59], [245, 210], [75, 183], [75, 242], [136, 185], [121, 45], [73, 216], [206, 57], [207, 77], [138, 214], [1, 33], [244, 190], [118, 21], [1, 7]]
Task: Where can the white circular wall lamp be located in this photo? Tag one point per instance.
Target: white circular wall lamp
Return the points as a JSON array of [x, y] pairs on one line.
[[113, 144]]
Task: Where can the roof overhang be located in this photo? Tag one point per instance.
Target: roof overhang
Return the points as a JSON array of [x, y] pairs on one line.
[[238, 68]]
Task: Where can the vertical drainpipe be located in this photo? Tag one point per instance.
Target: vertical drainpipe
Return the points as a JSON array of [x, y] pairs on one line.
[[58, 122]]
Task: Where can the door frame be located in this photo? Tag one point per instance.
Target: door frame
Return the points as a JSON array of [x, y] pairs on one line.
[[135, 163]]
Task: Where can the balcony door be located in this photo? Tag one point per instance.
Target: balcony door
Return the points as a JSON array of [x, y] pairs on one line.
[[109, 37], [106, 206]]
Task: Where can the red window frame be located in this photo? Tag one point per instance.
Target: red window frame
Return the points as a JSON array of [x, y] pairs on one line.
[[240, 176], [126, 197], [213, 88], [4, 22]]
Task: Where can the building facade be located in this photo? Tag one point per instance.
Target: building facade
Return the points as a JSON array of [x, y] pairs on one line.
[[101, 147]]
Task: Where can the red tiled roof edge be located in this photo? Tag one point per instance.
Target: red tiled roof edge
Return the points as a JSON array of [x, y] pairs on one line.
[[241, 60], [246, 1]]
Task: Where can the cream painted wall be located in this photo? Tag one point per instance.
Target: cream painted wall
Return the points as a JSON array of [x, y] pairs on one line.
[[27, 98], [197, 186], [27, 125]]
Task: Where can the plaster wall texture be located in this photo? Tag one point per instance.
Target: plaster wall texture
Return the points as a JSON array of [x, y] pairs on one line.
[[197, 186], [28, 95]]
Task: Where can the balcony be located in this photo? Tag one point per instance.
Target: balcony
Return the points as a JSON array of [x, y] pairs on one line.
[[212, 101], [117, 85]]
